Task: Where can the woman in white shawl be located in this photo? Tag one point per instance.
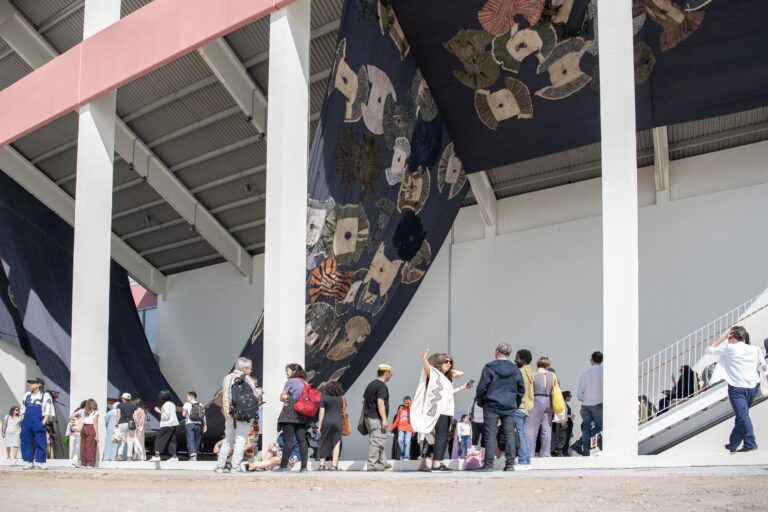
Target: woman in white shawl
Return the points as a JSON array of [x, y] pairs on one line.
[[433, 406]]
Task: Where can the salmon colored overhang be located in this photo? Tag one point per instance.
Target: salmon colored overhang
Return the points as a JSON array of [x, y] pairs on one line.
[[148, 38]]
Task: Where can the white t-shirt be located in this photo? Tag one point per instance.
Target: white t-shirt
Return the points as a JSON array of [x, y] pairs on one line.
[[39, 398], [13, 425], [88, 419], [187, 408], [463, 429], [168, 415], [739, 362]]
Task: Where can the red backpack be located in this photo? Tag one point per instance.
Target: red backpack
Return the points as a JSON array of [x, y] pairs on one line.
[[309, 401]]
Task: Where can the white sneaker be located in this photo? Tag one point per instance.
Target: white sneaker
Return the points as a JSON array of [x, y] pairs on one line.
[[29, 465], [523, 467], [156, 458], [173, 459], [220, 471], [42, 466], [193, 458]]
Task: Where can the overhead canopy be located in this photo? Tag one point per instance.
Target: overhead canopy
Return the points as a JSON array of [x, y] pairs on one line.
[[518, 79]]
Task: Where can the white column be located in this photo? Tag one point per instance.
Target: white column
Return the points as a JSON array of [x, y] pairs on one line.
[[286, 204], [93, 234], [620, 231]]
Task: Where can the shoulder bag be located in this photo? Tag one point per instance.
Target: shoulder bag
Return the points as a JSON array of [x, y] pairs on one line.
[[346, 428]]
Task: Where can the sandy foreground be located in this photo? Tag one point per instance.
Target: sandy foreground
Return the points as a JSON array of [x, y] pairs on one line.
[[701, 489]]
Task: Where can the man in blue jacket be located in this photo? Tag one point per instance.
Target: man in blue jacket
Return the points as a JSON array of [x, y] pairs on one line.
[[499, 393]]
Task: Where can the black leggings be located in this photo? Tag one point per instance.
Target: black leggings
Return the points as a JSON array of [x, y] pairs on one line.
[[477, 433], [442, 429], [166, 439], [291, 433]]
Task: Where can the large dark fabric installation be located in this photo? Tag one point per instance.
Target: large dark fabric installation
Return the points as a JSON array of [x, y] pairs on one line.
[[385, 185], [36, 254], [11, 327], [518, 79]]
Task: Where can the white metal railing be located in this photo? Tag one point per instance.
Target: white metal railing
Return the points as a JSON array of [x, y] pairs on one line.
[[659, 374]]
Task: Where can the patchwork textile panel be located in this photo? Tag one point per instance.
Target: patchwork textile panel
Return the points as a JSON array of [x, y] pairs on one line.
[[11, 328], [36, 256], [385, 184], [518, 79]]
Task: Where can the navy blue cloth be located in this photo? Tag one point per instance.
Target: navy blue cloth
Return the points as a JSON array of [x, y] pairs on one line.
[[501, 388], [34, 438], [710, 65], [11, 327], [36, 251]]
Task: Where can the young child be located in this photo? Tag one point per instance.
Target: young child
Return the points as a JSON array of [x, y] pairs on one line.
[[464, 431], [404, 429]]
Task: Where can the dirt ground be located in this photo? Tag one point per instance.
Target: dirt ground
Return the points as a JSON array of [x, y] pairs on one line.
[[710, 489]]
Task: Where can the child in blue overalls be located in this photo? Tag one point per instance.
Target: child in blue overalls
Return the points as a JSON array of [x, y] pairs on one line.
[[36, 410]]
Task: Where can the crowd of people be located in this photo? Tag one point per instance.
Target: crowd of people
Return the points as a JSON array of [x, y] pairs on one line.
[[517, 413]]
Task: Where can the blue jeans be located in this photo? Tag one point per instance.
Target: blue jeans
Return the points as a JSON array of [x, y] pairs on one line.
[[590, 414], [194, 434], [464, 445], [491, 427], [741, 400], [404, 442], [523, 453]]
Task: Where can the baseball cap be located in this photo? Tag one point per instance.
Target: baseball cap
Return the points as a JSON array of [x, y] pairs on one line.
[[36, 380], [127, 396]]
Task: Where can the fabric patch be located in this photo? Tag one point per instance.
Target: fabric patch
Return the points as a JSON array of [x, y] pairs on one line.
[[320, 326], [450, 172], [384, 209], [359, 162], [368, 9], [415, 269], [693, 5], [345, 233], [373, 109], [414, 190], [514, 100], [389, 25], [398, 121], [316, 213], [400, 154], [259, 329], [644, 62], [676, 23], [348, 303], [378, 282], [563, 66], [511, 48], [409, 235], [353, 86], [498, 16], [469, 46], [426, 108], [425, 143], [328, 281], [356, 330], [563, 10]]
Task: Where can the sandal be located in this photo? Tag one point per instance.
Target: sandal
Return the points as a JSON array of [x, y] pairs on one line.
[[321, 467], [334, 468]]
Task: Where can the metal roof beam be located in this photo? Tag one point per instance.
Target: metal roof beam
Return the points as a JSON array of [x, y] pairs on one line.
[[203, 259], [51, 195], [196, 239], [661, 158], [238, 83], [485, 196], [33, 48], [320, 31]]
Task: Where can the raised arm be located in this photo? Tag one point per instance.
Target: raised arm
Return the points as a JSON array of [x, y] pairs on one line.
[[425, 362]]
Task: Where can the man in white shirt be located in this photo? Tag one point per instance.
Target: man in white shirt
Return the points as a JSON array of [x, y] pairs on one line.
[[194, 423], [740, 362], [590, 394]]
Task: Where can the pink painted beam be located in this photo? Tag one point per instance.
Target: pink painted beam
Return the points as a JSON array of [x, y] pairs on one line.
[[148, 38]]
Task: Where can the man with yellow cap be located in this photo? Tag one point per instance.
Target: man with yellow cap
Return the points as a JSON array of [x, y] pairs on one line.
[[374, 418]]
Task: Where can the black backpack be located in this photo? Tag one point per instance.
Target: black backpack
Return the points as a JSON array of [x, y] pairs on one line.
[[243, 404], [196, 412]]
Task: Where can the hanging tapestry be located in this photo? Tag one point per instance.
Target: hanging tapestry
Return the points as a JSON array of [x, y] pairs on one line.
[[11, 328], [384, 186], [36, 256], [518, 79]]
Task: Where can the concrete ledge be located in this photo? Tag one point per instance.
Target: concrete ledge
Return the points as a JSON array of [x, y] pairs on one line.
[[758, 458]]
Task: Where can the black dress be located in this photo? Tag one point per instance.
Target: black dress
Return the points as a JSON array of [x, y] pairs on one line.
[[331, 427]]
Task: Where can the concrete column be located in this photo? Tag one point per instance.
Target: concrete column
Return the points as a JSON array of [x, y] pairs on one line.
[[620, 228], [286, 204], [93, 234]]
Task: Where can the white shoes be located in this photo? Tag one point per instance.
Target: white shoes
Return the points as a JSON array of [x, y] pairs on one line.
[[173, 459], [42, 467], [156, 458], [523, 467], [29, 465]]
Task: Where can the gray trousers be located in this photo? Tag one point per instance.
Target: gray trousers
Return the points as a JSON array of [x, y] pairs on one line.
[[377, 441]]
